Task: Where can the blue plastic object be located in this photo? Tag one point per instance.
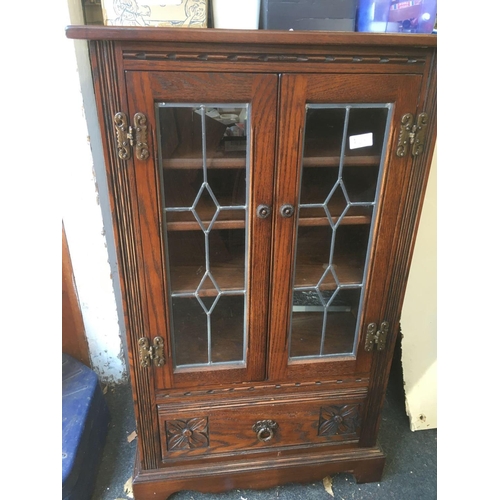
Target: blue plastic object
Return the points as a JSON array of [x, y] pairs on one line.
[[85, 419], [395, 16]]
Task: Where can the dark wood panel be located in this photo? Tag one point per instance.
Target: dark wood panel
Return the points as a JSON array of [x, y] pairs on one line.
[[215, 395], [249, 473], [408, 209], [110, 92], [203, 431], [74, 339]]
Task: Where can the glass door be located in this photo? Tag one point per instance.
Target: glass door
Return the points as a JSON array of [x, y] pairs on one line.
[[330, 210], [213, 173]]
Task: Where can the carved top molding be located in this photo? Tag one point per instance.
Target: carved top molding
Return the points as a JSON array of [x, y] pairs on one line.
[[248, 389], [260, 37], [269, 58]]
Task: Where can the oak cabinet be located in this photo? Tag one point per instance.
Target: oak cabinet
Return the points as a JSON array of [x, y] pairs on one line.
[[265, 190]]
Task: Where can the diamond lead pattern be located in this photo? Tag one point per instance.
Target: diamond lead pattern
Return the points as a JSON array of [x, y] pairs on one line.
[[327, 282], [336, 206], [206, 207], [204, 293]]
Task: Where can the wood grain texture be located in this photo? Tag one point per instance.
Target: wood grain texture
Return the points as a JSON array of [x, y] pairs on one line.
[[260, 91], [237, 57], [74, 340], [409, 211], [264, 391], [230, 426], [399, 90], [195, 425], [110, 92], [282, 38], [365, 464], [291, 116]]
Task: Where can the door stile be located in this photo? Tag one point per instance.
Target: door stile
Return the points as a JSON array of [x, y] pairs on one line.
[[261, 180], [150, 226], [291, 113]]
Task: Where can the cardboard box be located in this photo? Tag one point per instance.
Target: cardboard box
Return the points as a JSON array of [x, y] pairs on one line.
[[168, 13]]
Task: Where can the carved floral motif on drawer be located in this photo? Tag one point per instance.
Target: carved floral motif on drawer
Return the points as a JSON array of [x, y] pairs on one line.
[[335, 420], [187, 434]]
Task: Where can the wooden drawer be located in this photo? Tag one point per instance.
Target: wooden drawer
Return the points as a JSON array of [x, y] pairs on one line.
[[206, 430]]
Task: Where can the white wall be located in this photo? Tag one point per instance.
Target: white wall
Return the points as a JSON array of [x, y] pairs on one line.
[[85, 206], [419, 317]]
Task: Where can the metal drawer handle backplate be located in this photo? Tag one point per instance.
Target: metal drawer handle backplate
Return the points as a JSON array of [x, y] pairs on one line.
[[287, 210], [265, 429], [263, 211]]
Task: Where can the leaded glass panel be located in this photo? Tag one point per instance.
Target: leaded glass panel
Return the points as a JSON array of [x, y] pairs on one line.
[[204, 158], [340, 178]]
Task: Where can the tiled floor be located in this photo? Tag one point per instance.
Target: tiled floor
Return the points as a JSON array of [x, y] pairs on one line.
[[409, 474]]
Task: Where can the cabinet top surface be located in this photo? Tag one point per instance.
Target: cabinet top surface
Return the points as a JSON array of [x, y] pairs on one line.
[[261, 37]]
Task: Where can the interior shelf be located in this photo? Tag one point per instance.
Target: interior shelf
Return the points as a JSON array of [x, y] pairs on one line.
[[184, 221], [220, 223], [235, 160], [218, 160], [229, 218], [334, 161], [230, 275], [235, 218], [316, 216], [349, 270], [360, 218]]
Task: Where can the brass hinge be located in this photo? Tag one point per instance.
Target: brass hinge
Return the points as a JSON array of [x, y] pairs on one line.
[[154, 352], [412, 134], [378, 337], [128, 137]]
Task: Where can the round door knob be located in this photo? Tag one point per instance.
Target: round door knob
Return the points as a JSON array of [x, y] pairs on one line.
[[287, 210], [263, 211]]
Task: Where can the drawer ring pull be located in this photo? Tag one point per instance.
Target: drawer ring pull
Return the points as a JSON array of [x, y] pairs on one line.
[[265, 430]]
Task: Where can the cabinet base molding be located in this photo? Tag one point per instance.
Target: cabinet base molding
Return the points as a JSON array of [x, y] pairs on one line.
[[365, 464]]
